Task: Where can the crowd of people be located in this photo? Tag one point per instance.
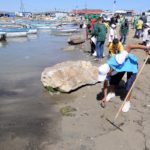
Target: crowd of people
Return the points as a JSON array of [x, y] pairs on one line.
[[120, 61]]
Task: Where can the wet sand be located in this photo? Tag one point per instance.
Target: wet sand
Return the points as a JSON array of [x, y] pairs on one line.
[[31, 119], [28, 115], [93, 128]]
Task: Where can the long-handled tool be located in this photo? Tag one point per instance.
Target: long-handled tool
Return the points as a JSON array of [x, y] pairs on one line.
[[117, 114]]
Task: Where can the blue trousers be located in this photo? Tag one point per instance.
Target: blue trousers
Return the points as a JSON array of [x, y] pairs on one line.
[[100, 48], [123, 38], [138, 33]]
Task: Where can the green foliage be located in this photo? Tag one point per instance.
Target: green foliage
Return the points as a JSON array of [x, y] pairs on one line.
[[67, 111], [51, 90]]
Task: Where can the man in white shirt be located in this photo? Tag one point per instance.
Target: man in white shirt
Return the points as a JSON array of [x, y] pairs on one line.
[[112, 33]]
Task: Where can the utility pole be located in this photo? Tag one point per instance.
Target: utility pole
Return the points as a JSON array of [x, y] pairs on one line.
[[22, 9], [114, 5], [76, 7], [85, 6]]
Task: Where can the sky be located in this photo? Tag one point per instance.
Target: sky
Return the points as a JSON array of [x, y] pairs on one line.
[[46, 5]]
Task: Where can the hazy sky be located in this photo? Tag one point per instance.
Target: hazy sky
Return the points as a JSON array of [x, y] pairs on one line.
[[45, 5]]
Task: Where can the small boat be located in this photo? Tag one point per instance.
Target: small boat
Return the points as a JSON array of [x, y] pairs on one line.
[[14, 32], [32, 31], [29, 28], [60, 29], [40, 26], [67, 30]]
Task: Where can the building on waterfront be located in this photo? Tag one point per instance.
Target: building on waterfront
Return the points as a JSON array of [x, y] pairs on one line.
[[15, 14], [125, 12], [7, 14], [87, 11]]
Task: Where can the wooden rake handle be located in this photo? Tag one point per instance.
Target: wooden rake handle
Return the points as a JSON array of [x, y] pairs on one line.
[[140, 71]]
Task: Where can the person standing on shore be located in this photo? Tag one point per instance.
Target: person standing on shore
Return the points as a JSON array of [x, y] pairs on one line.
[[146, 28], [99, 31], [112, 34], [144, 17], [124, 29], [134, 21], [113, 71], [90, 26], [139, 27]]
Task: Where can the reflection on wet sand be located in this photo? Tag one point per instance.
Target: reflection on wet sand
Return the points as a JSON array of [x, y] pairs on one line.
[[32, 36], [17, 39], [27, 112], [3, 44]]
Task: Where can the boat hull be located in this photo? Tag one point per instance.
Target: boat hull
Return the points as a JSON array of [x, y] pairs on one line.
[[16, 34]]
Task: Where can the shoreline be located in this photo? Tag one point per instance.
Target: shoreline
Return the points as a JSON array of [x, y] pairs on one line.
[[90, 126], [31, 118]]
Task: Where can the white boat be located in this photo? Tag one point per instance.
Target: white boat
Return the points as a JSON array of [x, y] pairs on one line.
[[32, 31], [16, 34], [68, 30], [40, 26], [64, 29], [44, 27]]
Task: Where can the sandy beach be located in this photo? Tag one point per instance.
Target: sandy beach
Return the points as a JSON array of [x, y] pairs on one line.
[[31, 118], [90, 126], [51, 97]]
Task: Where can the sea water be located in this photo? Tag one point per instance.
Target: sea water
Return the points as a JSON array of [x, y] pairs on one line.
[[27, 110]]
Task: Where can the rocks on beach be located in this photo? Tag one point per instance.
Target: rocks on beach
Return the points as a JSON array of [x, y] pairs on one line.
[[69, 76], [76, 39]]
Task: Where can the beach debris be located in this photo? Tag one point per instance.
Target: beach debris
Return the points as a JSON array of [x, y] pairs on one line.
[[69, 76], [68, 111]]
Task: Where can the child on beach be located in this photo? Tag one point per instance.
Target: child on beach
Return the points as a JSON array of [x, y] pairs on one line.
[[115, 47], [139, 27]]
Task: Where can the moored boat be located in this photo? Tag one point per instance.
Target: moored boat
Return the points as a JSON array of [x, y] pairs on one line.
[[64, 29], [14, 32], [32, 31]]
